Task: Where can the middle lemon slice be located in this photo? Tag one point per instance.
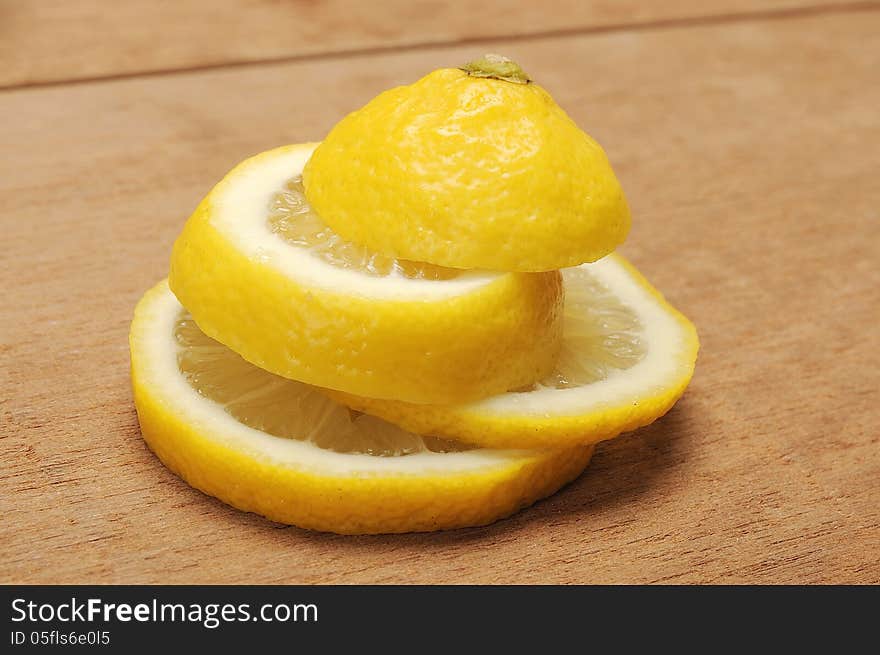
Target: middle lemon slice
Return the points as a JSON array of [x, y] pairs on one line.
[[260, 273]]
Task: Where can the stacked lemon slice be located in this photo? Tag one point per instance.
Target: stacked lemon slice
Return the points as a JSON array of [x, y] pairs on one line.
[[371, 334]]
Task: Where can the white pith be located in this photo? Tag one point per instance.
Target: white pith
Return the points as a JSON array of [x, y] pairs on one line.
[[240, 209], [664, 339], [156, 365]]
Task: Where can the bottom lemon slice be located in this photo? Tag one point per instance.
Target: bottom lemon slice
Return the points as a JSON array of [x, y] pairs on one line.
[[627, 356], [280, 448]]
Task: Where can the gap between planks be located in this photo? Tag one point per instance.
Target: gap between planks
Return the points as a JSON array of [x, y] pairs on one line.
[[648, 25]]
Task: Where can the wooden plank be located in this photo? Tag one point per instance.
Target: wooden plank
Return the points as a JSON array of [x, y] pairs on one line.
[[748, 152], [57, 40]]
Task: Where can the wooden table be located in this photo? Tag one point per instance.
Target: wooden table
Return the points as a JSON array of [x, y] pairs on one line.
[[747, 137]]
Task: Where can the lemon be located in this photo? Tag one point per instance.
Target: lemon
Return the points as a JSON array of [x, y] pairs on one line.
[[279, 448], [475, 168], [627, 356], [262, 275]]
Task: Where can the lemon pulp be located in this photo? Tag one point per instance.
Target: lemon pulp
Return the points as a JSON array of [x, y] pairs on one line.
[[285, 408], [601, 333], [292, 218]]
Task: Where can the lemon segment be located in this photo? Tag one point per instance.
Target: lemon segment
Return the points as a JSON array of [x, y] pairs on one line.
[[279, 448], [470, 172], [627, 357], [263, 276]]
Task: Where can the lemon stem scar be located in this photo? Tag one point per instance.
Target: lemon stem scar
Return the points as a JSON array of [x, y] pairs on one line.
[[498, 68]]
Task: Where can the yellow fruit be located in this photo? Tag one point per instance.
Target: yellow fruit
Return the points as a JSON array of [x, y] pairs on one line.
[[279, 448], [466, 170], [627, 356], [263, 276]]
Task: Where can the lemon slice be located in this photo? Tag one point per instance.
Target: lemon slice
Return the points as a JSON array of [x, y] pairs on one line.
[[627, 356], [279, 448], [264, 277]]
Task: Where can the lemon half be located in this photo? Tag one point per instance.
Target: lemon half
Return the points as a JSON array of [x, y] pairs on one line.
[[262, 275], [469, 170]]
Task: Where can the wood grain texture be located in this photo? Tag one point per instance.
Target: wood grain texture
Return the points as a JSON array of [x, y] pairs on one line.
[[58, 40], [749, 155]]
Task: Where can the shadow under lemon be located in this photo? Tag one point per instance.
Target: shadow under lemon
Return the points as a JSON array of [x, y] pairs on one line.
[[622, 470]]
